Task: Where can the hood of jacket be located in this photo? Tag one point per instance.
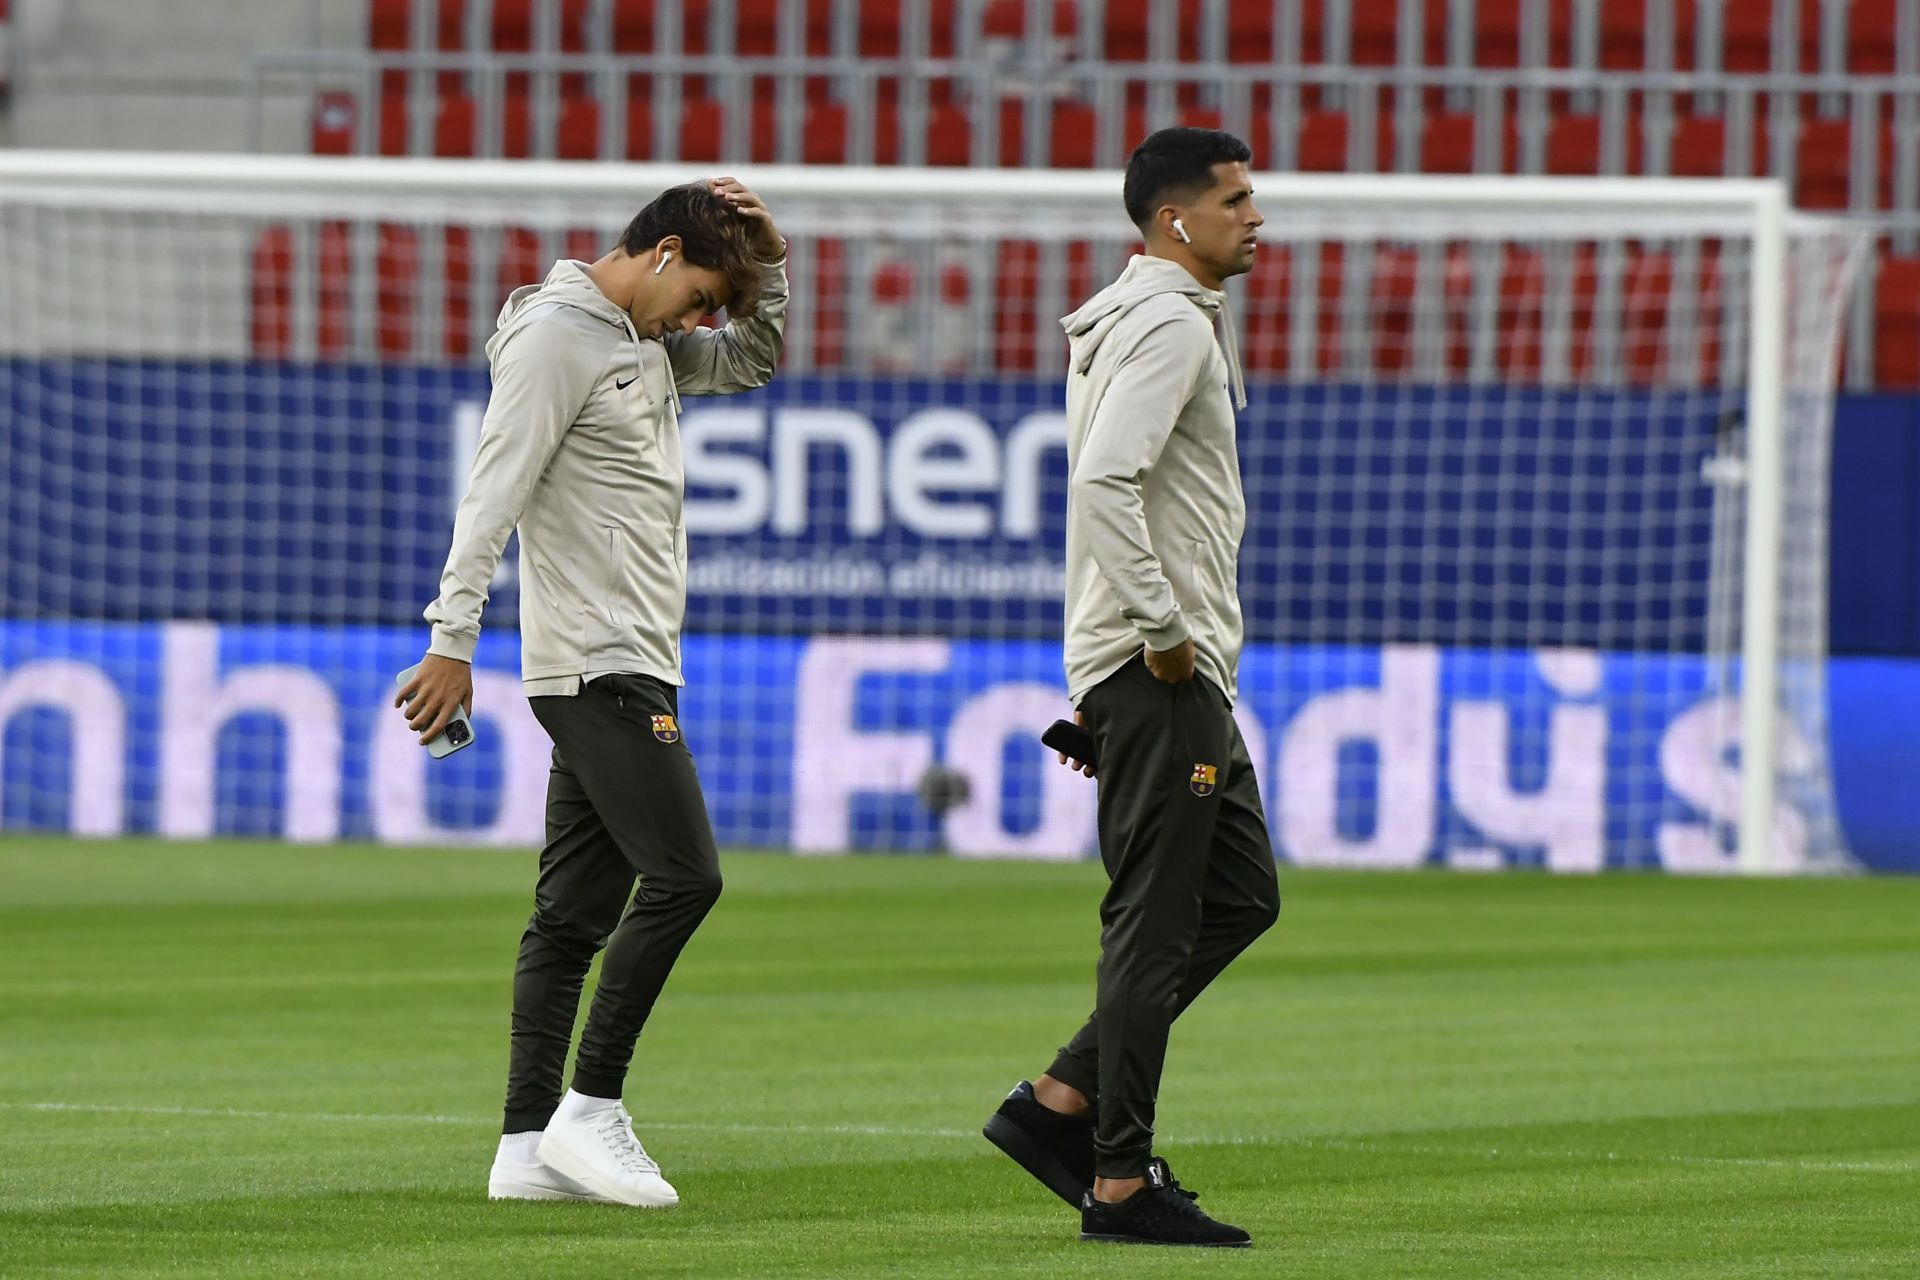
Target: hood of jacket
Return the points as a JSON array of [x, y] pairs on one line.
[[569, 285], [1148, 277]]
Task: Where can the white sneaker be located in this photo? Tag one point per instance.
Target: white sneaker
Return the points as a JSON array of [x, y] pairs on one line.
[[512, 1178], [591, 1142]]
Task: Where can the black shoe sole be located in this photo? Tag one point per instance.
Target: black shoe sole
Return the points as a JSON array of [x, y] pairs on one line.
[[1173, 1244], [1034, 1158]]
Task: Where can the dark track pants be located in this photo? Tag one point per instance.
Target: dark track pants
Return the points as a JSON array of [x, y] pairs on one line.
[[623, 802], [1191, 883]]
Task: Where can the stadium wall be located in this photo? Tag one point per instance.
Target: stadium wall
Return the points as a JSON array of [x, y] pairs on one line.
[[234, 553], [1392, 757]]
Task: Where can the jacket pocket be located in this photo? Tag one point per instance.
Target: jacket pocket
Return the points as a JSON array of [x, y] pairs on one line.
[[610, 580]]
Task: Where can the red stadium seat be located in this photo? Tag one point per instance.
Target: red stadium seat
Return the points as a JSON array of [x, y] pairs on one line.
[[639, 127], [1574, 145], [1007, 19], [631, 27], [271, 318], [1016, 301], [1126, 33], [1250, 31], [516, 125], [1324, 137], [455, 126], [1871, 28], [823, 138], [949, 135], [829, 273], [390, 25], [1074, 135], [1376, 35], [827, 134], [1447, 140], [1747, 37], [1699, 147], [1896, 330], [1266, 311], [1645, 301], [577, 129], [1823, 166], [392, 140], [457, 316], [397, 284], [521, 261], [703, 129], [1520, 320], [335, 124], [1623, 34], [333, 270], [511, 25]]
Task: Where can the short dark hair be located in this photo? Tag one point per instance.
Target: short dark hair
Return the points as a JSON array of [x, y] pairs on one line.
[[1176, 162], [712, 235]]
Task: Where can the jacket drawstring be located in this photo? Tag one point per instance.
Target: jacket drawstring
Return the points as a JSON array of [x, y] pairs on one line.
[[1230, 347], [639, 363], [640, 367]]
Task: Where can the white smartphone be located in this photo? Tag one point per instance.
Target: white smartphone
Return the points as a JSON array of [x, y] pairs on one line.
[[459, 730]]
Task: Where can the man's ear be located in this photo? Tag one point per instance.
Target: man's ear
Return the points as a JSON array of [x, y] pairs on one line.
[[668, 244]]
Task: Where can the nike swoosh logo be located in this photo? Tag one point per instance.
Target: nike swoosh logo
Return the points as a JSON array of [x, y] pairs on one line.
[[622, 386]]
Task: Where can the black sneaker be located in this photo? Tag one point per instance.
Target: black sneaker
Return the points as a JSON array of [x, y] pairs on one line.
[[1055, 1148], [1162, 1212]]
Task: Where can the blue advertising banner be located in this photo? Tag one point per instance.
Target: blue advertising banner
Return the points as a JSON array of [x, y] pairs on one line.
[[1400, 755], [258, 492]]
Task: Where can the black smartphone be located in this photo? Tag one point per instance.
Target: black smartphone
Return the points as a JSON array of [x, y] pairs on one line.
[[1075, 741]]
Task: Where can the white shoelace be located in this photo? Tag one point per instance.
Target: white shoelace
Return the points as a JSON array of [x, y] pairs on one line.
[[617, 1132]]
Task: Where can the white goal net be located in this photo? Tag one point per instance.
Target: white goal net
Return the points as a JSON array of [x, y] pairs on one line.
[[1536, 473]]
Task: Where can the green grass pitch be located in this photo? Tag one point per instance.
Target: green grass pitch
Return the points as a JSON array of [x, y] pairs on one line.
[[244, 1060]]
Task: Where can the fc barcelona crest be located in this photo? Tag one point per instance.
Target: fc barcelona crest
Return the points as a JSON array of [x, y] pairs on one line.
[[665, 729], [1204, 776]]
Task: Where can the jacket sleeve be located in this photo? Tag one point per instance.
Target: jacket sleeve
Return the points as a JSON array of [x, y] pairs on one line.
[[740, 355], [1149, 386], [542, 376]]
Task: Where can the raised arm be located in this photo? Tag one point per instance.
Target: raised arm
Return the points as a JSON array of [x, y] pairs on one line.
[[743, 353]]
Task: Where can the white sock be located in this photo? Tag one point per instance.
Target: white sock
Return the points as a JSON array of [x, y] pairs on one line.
[[520, 1146], [575, 1105]]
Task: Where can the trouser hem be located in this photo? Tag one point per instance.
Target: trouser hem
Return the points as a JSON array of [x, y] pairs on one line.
[[527, 1121], [599, 1084]]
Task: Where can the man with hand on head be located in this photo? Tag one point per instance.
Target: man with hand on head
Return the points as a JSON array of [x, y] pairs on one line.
[[1155, 514], [580, 449]]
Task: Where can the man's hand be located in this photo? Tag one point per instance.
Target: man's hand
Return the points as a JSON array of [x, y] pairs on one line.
[[1172, 666], [768, 245], [1079, 718], [439, 689]]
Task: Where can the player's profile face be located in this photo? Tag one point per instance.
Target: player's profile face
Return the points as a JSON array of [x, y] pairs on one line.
[[680, 297], [1224, 223]]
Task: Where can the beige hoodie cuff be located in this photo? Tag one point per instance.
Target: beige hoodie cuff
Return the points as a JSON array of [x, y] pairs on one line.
[[1168, 637], [457, 645]]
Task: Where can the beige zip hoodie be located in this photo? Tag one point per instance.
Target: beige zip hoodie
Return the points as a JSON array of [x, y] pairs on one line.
[[1154, 504], [580, 448]]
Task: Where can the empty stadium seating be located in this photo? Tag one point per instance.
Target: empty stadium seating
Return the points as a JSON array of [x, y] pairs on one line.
[[1049, 56]]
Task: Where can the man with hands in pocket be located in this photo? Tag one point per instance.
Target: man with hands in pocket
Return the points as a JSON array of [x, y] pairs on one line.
[[1155, 514], [580, 450]]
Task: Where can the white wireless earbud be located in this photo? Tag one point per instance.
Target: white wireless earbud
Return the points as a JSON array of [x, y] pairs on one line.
[[665, 258], [1181, 231]]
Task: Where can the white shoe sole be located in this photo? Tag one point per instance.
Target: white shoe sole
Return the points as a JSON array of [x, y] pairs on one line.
[[509, 1189], [559, 1159]]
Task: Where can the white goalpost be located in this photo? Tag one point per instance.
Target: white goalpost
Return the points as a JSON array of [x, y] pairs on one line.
[[1537, 479]]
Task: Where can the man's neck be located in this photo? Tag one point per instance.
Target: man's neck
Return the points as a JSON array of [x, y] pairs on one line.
[[1177, 255]]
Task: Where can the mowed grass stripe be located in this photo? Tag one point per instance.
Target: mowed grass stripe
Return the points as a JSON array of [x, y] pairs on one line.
[[1418, 1075]]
